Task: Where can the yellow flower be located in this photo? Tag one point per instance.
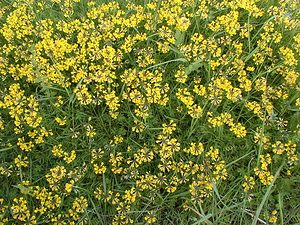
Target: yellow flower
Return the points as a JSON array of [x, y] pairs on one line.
[[180, 75], [273, 217], [298, 102], [288, 55], [195, 149], [69, 157], [99, 168], [21, 212], [90, 131], [139, 127], [150, 217], [69, 186], [21, 161], [195, 111], [238, 129], [169, 128], [60, 121], [59, 101], [183, 24], [130, 195], [248, 184]]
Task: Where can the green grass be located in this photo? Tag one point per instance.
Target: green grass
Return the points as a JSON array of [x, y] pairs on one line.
[[228, 202]]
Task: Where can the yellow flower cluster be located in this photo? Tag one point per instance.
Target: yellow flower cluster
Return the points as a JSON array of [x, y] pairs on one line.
[[21, 161], [288, 148], [263, 171], [47, 200], [57, 151], [126, 105], [228, 22], [249, 183], [55, 176], [18, 24], [23, 110], [202, 185], [195, 149], [186, 97], [225, 118], [273, 217], [21, 211], [79, 206]]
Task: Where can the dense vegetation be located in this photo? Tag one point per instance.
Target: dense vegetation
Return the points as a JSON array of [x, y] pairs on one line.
[[149, 112]]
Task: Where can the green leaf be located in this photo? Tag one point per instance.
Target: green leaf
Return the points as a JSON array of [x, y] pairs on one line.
[[295, 120], [179, 37], [193, 67]]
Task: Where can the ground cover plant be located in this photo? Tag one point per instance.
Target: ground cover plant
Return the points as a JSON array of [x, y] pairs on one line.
[[149, 112]]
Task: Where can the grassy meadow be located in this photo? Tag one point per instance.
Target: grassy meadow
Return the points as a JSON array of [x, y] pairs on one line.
[[167, 112]]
